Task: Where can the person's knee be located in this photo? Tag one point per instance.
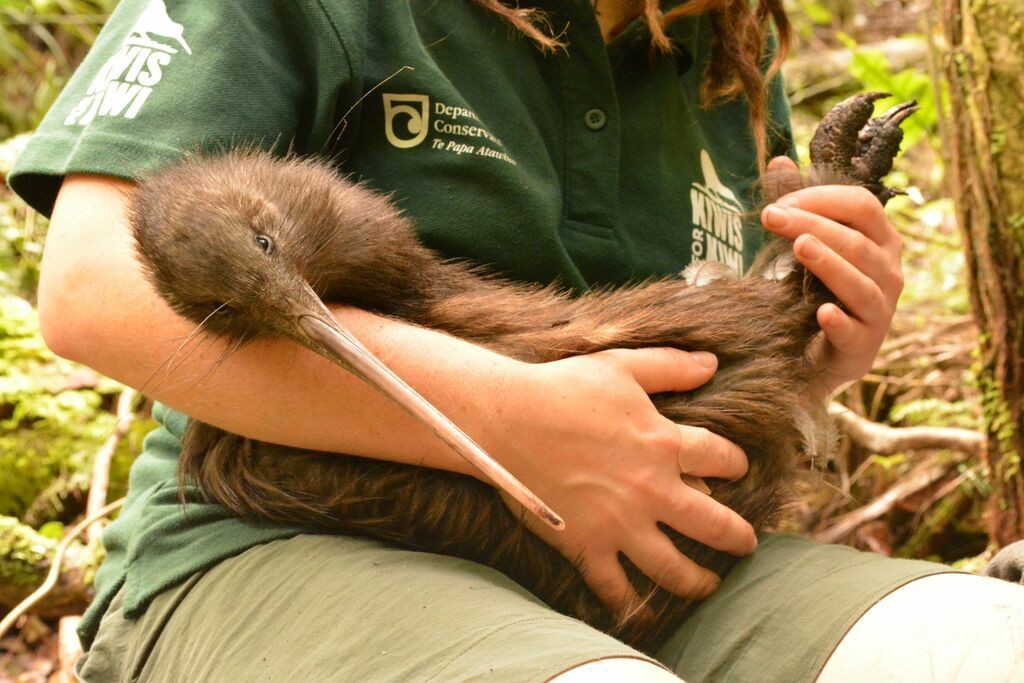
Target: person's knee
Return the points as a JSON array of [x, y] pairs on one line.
[[616, 669], [946, 627]]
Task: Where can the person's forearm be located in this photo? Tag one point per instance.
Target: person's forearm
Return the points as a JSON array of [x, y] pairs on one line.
[[101, 311]]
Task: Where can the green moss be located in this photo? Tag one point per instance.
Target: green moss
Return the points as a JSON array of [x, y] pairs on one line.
[[935, 412], [999, 421], [49, 431], [23, 553], [935, 522], [997, 142]]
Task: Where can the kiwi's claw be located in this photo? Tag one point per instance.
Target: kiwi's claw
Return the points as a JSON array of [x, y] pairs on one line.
[[835, 141], [850, 144], [879, 143]]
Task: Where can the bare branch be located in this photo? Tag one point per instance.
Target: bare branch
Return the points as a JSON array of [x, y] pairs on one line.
[[885, 440], [923, 476], [53, 576], [100, 482], [69, 648]]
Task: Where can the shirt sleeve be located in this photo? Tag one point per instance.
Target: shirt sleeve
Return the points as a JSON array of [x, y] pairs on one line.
[[169, 77]]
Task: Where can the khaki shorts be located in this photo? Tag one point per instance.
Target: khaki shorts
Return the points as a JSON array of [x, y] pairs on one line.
[[328, 608]]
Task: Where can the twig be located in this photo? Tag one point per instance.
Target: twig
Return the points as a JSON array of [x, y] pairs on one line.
[[941, 493], [885, 440], [100, 482], [928, 333], [914, 341], [54, 573], [924, 476], [902, 383], [822, 87], [939, 353], [69, 648], [70, 19]]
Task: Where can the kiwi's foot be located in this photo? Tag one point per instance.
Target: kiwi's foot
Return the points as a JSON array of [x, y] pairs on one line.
[[851, 145]]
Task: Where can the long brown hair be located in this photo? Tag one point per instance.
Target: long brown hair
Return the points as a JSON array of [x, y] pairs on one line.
[[737, 52]]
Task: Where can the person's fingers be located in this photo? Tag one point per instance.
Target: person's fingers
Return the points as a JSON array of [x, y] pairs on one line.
[[862, 296], [841, 330], [707, 521], [782, 164], [868, 257], [780, 178], [608, 580], [704, 454], [661, 369], [662, 562], [849, 205]]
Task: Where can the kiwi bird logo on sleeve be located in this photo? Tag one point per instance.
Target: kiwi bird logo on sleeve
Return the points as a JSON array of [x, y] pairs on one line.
[[154, 20], [717, 231], [126, 80]]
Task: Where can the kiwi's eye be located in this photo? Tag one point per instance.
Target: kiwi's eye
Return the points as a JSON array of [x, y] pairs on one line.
[[223, 309], [265, 243]]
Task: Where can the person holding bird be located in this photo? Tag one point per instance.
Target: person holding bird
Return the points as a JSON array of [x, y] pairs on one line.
[[562, 141]]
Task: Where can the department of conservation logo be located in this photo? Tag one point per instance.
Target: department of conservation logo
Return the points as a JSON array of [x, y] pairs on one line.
[[717, 233], [410, 118], [414, 113], [126, 80]]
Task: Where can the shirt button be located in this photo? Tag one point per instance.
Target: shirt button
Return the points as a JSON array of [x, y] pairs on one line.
[[595, 119]]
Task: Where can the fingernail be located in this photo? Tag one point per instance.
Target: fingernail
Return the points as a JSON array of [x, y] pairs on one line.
[[788, 201], [810, 248], [775, 216], [705, 359], [711, 585]]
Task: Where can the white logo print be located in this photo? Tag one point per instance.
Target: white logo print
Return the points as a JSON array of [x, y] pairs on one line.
[[154, 20], [453, 129], [416, 108], [126, 80], [717, 233]]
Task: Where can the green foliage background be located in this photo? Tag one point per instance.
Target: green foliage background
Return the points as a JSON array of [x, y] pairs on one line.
[[54, 414], [41, 42]]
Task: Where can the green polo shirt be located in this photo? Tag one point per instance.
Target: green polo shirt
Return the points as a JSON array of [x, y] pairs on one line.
[[590, 166]]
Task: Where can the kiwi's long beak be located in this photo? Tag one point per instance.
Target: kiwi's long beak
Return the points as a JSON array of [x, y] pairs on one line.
[[336, 343]]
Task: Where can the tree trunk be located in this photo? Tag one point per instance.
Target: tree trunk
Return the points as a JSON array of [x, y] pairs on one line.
[[982, 63]]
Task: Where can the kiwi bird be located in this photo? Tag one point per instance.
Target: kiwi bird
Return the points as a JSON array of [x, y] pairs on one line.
[[282, 235]]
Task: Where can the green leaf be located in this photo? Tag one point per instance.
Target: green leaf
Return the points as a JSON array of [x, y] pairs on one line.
[[54, 530], [817, 12]]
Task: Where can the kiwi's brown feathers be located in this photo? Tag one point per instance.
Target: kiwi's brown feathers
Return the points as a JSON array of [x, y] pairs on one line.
[[209, 257]]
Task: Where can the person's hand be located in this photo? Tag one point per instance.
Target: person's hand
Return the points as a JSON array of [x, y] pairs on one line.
[[842, 236], [583, 434]]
